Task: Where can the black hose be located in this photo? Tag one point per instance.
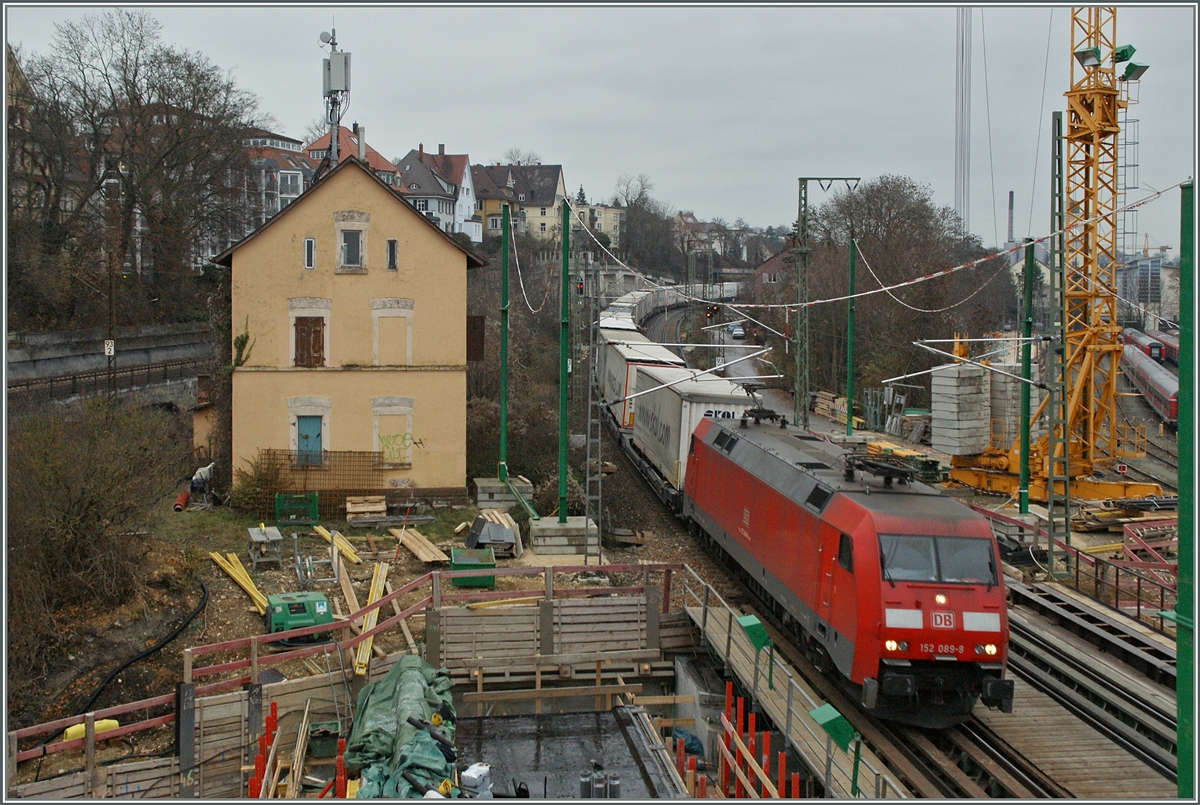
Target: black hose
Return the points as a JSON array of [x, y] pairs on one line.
[[169, 637]]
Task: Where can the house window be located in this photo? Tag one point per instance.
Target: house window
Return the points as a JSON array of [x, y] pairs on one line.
[[422, 204], [391, 332], [310, 252], [543, 226], [289, 183], [351, 247], [392, 425], [520, 197], [494, 222], [543, 212], [310, 341], [309, 425], [393, 248]]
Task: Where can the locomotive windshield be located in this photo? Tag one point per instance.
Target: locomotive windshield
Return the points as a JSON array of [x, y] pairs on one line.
[[955, 560]]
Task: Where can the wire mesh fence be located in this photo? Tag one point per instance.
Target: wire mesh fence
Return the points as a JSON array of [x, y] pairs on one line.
[[333, 475]]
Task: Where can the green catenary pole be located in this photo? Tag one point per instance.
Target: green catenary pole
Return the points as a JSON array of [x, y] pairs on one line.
[[850, 349], [563, 346], [502, 471], [1184, 612], [1026, 336]]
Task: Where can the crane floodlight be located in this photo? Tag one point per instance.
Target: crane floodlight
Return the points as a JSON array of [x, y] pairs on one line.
[[1123, 53], [1088, 57], [1133, 71]]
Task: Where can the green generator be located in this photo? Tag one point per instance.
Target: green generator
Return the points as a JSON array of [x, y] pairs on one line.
[[297, 610]]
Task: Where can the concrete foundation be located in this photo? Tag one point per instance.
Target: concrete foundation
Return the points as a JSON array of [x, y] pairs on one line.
[[549, 536], [492, 493]]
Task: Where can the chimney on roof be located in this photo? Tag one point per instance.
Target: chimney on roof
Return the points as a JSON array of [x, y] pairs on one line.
[[356, 128], [441, 149], [362, 142], [421, 151]]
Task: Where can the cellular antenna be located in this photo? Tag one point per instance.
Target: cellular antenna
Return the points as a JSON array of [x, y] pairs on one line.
[[336, 90]]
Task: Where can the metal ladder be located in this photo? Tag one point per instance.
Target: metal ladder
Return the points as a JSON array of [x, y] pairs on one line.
[[595, 412], [1058, 438]]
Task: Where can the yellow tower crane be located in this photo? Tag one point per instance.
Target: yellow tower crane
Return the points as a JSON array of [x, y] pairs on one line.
[[1092, 351]]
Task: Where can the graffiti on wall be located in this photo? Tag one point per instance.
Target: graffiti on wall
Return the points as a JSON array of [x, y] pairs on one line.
[[395, 446]]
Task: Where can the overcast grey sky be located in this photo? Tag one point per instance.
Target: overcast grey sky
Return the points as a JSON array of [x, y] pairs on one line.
[[722, 107]]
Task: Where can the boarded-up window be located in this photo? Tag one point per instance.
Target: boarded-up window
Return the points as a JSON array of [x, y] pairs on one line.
[[395, 441], [475, 338], [310, 341], [393, 340]]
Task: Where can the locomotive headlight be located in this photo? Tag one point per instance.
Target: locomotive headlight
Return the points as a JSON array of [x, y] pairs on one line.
[[940, 598], [890, 645], [989, 649]]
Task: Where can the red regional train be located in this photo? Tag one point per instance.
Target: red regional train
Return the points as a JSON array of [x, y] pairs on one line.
[[888, 581], [1142, 342], [1159, 387], [1170, 342]]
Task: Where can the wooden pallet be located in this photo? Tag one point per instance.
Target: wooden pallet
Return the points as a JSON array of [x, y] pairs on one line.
[[365, 506], [421, 548]]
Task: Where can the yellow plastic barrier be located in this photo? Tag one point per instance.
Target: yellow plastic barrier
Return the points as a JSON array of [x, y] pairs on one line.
[[103, 725]]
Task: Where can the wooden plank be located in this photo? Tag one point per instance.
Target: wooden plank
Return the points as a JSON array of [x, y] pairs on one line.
[[68, 786], [363, 653], [420, 547], [649, 701], [408, 637], [550, 693], [348, 592]]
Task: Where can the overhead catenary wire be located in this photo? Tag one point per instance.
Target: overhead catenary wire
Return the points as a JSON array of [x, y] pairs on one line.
[[1037, 152], [521, 278], [987, 103], [968, 298]]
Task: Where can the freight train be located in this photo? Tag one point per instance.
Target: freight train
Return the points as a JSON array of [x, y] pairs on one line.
[[1159, 387], [888, 584], [1143, 342]]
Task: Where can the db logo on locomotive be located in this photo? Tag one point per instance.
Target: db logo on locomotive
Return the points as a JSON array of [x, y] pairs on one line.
[[941, 620]]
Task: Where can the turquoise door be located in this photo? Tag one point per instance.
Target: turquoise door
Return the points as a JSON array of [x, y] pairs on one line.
[[308, 440]]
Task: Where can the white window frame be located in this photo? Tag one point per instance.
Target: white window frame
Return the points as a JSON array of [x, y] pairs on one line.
[[305, 306], [344, 220], [310, 253], [298, 176], [392, 406], [393, 254], [344, 244], [309, 406], [422, 204], [388, 308]]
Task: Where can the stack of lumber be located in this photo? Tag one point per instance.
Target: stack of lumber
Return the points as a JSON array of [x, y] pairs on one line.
[[343, 544], [231, 565], [421, 548], [831, 407], [358, 508]]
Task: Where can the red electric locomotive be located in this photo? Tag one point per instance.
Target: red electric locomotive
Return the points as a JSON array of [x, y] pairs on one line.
[[1143, 342], [893, 584], [1170, 342]]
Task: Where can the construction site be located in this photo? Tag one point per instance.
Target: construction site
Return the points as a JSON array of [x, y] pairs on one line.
[[987, 597]]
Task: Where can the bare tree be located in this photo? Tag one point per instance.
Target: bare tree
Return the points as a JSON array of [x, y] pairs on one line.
[[141, 164], [519, 156]]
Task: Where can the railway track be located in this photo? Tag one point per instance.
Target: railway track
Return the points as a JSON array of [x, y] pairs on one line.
[[968, 761], [1163, 454], [1120, 712]]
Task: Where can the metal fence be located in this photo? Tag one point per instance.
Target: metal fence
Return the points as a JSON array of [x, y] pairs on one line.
[[801, 730], [97, 382]]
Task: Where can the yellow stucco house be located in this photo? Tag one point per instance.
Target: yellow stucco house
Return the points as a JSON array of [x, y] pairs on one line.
[[352, 372]]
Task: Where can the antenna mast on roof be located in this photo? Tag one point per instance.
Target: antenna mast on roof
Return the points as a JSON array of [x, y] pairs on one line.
[[337, 90]]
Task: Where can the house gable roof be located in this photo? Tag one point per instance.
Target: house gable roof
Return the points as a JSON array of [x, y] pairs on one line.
[[348, 146], [225, 258]]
